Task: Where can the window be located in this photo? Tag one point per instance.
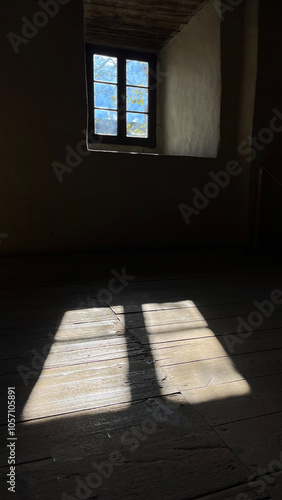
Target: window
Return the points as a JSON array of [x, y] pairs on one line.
[[121, 96]]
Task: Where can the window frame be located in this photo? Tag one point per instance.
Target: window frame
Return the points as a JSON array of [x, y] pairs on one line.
[[122, 55]]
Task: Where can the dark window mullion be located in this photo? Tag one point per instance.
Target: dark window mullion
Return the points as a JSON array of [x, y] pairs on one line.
[[121, 98], [139, 112], [138, 86], [152, 101], [105, 83], [106, 109], [90, 103]]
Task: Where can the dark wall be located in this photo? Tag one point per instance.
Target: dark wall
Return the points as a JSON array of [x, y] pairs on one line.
[[107, 201], [269, 96], [231, 74]]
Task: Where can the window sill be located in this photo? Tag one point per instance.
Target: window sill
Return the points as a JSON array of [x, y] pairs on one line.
[[118, 148]]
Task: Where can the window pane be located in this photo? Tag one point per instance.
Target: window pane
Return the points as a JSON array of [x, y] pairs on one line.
[[137, 73], [105, 96], [137, 99], [105, 68], [105, 122], [136, 125]]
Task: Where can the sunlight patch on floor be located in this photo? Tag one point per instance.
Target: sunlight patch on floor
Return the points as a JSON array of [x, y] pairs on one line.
[[218, 392], [154, 306], [193, 356], [86, 367]]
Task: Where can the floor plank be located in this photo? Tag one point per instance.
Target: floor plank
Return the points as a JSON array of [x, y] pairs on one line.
[[220, 404], [219, 371], [243, 492], [195, 318], [262, 449]]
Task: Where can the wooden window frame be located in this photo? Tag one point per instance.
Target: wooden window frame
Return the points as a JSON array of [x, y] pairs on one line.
[[122, 55]]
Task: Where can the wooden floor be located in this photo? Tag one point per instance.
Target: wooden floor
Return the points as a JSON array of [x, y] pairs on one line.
[[141, 388]]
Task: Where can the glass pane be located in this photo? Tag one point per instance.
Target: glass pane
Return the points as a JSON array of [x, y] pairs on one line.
[[137, 73], [105, 68], [105, 122], [136, 125], [105, 96], [137, 99]]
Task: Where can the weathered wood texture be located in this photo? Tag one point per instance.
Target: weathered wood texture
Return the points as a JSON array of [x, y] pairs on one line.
[[149, 24], [152, 375]]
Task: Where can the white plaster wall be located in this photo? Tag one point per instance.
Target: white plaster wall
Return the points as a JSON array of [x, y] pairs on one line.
[[191, 88]]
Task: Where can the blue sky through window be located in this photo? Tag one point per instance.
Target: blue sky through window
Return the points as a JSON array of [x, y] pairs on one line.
[[106, 96]]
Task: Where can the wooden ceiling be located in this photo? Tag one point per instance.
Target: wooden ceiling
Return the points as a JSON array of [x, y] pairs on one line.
[[146, 24]]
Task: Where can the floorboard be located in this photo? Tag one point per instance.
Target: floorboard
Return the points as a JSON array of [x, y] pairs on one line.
[[153, 377]]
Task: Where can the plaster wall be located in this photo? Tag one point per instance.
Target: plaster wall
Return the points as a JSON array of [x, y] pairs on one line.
[[190, 92]]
